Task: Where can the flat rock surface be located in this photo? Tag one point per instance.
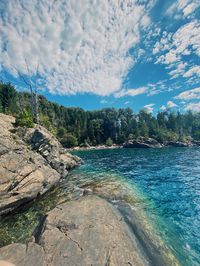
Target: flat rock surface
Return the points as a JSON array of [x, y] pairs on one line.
[[88, 231], [29, 167]]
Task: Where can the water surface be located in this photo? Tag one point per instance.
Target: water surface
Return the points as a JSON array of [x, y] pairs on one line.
[[168, 181], [162, 186]]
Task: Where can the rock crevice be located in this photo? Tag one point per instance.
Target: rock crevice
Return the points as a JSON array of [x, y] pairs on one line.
[[66, 240]]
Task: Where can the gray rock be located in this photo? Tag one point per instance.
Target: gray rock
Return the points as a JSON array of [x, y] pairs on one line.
[[25, 171], [88, 231], [24, 255], [196, 142], [42, 141], [178, 144], [142, 142]]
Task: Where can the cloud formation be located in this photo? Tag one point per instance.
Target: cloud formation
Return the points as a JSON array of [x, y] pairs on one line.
[[131, 92], [183, 8], [81, 46], [169, 105], [189, 95], [195, 107], [149, 107], [173, 49]]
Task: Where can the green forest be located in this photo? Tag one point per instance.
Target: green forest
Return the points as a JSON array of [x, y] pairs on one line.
[[75, 126]]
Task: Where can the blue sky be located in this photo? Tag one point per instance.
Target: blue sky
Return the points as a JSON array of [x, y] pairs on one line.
[[100, 53]]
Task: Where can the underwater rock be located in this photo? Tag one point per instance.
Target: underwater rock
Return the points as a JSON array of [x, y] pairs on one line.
[[88, 231]]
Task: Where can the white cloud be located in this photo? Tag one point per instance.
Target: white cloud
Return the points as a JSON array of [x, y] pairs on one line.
[[183, 8], [163, 108], [172, 50], [149, 107], [179, 69], [192, 71], [81, 46], [190, 8], [131, 92], [171, 104], [189, 94], [195, 107]]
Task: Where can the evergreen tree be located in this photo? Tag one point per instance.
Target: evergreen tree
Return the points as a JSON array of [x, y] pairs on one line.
[[74, 126]]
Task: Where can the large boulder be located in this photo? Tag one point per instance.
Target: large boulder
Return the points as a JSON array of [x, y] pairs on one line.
[[42, 141], [26, 171], [88, 231], [142, 142]]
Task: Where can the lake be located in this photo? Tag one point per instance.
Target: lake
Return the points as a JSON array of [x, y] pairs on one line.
[[167, 182], [162, 186]]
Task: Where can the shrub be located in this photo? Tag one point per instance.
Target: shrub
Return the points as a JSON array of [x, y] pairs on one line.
[[45, 122], [109, 142], [24, 119], [69, 141]]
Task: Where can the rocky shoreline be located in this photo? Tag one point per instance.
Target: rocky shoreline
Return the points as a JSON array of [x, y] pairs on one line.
[[141, 142], [32, 161], [88, 231], [84, 231]]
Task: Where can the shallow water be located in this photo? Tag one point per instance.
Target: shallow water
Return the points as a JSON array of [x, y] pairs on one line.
[[161, 185], [168, 183]]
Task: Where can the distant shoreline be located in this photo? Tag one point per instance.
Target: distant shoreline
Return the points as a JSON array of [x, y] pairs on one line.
[[149, 143], [98, 147]]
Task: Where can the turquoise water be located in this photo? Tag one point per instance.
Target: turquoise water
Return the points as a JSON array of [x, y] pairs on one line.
[[168, 182]]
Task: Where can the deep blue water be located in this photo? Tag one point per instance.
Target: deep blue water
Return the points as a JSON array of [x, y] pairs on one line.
[[169, 180]]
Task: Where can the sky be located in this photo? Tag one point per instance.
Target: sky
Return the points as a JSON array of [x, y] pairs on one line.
[[104, 53]]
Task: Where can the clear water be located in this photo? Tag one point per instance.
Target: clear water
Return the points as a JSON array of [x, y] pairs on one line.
[[162, 186], [168, 182]]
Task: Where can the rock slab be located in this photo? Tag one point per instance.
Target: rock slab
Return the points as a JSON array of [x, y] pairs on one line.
[[88, 231]]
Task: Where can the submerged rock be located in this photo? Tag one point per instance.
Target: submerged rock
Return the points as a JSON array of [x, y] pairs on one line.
[[142, 142], [88, 231], [27, 171]]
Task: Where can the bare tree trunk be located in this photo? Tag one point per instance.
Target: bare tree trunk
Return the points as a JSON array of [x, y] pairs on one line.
[[37, 110], [36, 98], [33, 90]]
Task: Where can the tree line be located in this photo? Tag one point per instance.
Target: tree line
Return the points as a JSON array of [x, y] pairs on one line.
[[75, 126]]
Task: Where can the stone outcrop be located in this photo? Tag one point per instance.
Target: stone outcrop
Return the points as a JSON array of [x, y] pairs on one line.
[[27, 171], [142, 142], [42, 141], [178, 144], [88, 231], [196, 143]]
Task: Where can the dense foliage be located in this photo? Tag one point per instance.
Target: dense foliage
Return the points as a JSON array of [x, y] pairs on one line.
[[74, 126]]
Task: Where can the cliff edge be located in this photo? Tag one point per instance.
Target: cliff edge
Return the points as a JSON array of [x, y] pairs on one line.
[[32, 161]]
